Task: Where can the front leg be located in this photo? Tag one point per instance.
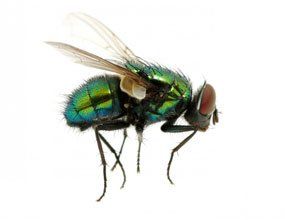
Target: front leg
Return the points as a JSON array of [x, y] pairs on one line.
[[170, 127]]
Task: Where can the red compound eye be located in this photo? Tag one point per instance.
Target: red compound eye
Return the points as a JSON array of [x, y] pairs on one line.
[[208, 100]]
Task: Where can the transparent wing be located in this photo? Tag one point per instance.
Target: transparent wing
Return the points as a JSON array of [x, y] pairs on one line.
[[83, 27], [89, 29], [88, 59]]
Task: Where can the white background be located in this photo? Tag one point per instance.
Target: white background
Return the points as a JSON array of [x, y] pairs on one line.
[[235, 170]]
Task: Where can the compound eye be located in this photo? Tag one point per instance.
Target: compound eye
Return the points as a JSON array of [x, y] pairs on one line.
[[208, 100]]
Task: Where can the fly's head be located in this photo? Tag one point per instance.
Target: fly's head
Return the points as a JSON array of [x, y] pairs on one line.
[[203, 108]]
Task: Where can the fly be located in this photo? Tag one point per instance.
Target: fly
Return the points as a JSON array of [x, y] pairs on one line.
[[139, 94]]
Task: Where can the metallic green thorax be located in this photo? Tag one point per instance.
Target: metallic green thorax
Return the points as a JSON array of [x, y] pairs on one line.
[[177, 97]]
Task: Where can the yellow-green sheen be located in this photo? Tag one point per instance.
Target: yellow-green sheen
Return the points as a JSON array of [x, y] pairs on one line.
[[97, 99]]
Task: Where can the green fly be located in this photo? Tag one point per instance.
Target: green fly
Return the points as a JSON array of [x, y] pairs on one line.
[[139, 93]]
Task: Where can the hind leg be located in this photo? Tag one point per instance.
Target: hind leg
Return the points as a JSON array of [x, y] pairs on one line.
[[109, 127], [116, 156], [99, 144], [121, 149]]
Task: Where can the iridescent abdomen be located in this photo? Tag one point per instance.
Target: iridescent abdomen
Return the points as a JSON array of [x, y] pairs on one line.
[[95, 101]]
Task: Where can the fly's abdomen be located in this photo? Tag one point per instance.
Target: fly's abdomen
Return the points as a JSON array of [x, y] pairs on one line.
[[95, 101]]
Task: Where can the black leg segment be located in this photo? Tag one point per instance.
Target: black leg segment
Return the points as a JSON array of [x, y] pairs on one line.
[[170, 127], [116, 156], [102, 160], [175, 150], [121, 149], [113, 126], [108, 127], [139, 151]]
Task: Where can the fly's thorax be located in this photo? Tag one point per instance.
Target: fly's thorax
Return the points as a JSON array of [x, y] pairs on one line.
[[170, 95], [162, 105]]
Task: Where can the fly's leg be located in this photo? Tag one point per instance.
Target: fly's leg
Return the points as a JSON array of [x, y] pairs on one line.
[[169, 127], [121, 149], [175, 150], [116, 156], [139, 150], [102, 160], [109, 127]]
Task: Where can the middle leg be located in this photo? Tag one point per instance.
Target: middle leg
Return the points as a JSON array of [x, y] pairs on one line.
[[139, 150]]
